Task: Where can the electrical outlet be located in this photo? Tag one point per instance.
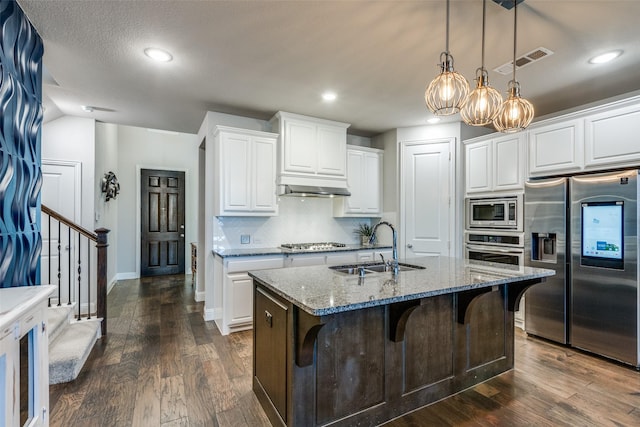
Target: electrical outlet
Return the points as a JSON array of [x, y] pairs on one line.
[[245, 239]]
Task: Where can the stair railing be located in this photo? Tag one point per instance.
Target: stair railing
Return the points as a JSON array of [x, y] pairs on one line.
[[81, 274]]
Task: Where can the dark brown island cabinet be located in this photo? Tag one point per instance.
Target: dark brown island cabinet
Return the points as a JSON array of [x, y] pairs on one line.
[[345, 350]]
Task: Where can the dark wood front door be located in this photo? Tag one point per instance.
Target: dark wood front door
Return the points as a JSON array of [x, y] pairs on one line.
[[163, 231]]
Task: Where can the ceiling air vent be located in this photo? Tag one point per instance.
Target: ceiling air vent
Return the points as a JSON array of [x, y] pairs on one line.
[[526, 59]]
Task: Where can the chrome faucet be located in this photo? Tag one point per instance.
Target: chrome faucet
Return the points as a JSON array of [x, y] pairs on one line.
[[395, 243]]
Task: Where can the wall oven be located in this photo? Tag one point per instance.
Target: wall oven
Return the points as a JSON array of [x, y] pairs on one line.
[[494, 246], [504, 213]]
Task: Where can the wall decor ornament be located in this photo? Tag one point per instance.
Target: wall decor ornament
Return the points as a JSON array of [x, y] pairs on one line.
[[110, 186]]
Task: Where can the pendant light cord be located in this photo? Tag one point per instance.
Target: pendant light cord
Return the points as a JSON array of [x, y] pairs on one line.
[[447, 37], [515, 31], [484, 11]]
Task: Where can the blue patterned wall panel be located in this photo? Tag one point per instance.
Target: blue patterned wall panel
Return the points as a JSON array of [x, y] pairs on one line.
[[21, 52]]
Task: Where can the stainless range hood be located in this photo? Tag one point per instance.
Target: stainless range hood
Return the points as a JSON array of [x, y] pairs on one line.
[[312, 191]]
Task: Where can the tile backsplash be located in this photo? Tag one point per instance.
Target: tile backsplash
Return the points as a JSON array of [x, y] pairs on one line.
[[299, 220]]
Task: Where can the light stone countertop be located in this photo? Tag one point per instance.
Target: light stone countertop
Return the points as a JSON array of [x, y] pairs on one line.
[[15, 302], [227, 253], [320, 291]]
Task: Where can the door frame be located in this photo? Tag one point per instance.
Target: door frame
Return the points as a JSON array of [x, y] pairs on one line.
[[453, 195], [77, 171], [187, 200]]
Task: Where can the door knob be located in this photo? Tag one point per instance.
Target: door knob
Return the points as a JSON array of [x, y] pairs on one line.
[[409, 245]]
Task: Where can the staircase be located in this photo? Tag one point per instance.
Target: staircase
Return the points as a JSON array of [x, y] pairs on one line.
[[70, 342], [77, 311]]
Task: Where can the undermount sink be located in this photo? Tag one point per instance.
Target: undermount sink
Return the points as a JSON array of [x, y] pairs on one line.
[[366, 268]]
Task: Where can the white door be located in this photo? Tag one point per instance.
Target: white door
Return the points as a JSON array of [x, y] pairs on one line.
[[60, 192], [426, 189]]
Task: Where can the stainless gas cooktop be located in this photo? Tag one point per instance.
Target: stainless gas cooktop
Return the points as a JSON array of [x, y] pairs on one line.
[[321, 246]]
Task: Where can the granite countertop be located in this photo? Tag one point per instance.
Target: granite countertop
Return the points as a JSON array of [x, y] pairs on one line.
[[320, 291], [225, 253]]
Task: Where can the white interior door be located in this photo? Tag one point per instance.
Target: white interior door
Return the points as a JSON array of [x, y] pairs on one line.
[[61, 184], [426, 189]]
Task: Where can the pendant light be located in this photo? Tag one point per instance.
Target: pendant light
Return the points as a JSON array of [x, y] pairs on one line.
[[447, 93], [516, 112], [483, 103]]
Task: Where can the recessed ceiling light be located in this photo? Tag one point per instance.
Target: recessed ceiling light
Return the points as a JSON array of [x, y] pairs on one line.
[[329, 96], [605, 57], [433, 120], [87, 108], [158, 54]]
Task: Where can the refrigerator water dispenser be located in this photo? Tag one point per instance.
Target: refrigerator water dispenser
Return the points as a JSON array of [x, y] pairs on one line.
[[544, 247]]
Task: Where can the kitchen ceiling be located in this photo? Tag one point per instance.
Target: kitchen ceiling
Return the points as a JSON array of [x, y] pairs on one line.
[[254, 58]]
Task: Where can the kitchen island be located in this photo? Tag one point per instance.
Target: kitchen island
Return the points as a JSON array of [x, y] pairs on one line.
[[359, 349]]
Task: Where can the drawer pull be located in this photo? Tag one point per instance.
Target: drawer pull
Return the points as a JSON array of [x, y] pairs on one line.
[[268, 317]]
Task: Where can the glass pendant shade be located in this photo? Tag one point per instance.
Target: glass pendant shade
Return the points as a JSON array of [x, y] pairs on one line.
[[516, 113], [447, 93], [483, 103]]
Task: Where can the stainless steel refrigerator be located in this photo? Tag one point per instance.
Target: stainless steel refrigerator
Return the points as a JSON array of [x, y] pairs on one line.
[[545, 244], [597, 306]]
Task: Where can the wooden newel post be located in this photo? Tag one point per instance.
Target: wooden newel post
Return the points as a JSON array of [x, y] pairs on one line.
[[101, 245]]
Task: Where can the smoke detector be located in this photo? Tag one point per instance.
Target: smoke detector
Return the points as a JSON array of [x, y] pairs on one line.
[[527, 59]]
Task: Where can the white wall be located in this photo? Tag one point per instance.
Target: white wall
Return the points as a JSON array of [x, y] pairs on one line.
[[106, 213], [140, 148], [73, 139]]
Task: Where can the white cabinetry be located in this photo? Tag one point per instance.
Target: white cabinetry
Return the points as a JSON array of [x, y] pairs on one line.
[[245, 172], [495, 164], [237, 290], [374, 255], [612, 138], [364, 181], [331, 258], [24, 356], [556, 148], [311, 151]]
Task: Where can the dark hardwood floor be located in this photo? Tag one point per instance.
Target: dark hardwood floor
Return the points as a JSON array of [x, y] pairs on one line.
[[162, 365]]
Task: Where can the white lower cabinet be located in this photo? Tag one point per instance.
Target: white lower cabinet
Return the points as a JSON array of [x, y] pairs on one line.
[[234, 287], [237, 290], [374, 255], [24, 356]]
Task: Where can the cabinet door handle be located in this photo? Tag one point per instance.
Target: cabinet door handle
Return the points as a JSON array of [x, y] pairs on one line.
[[409, 245], [268, 317]]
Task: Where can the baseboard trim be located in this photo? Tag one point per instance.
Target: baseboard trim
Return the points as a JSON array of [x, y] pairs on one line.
[[127, 276], [200, 296], [209, 314], [111, 284]]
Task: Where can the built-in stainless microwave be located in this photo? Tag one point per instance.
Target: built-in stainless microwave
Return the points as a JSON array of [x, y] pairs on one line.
[[495, 212]]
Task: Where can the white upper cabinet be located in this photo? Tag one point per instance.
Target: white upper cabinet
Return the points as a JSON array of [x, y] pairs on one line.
[[556, 148], [311, 151], [478, 162], [364, 182], [300, 146], [495, 163], [245, 172], [612, 138]]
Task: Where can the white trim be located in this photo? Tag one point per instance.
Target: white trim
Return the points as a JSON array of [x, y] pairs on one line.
[[200, 296], [139, 168], [111, 285], [77, 172], [211, 314], [127, 276]]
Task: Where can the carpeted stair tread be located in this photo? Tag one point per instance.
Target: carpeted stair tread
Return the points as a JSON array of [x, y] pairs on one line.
[[57, 318], [71, 349]]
